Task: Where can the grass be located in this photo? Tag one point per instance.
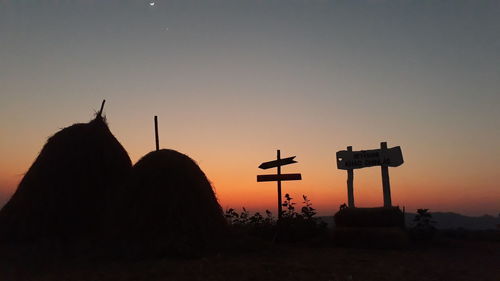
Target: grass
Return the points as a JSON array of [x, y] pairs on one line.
[[253, 251], [447, 260]]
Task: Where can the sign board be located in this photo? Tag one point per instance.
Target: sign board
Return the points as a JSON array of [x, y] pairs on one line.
[[276, 163], [281, 177], [348, 160]]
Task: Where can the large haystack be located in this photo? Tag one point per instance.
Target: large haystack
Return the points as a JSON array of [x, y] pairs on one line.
[[65, 192], [173, 207]]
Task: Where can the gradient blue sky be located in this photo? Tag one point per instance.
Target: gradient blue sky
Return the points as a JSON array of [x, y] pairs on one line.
[[234, 80]]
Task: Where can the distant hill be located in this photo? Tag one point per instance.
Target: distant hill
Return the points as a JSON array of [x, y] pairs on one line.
[[448, 220]]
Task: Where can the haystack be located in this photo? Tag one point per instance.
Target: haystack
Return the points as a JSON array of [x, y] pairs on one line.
[[172, 207], [66, 190]]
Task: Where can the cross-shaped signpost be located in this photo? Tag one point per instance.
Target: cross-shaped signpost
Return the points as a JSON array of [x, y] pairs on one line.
[[278, 177]]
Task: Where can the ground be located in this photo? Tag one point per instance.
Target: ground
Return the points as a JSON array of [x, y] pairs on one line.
[[455, 260]]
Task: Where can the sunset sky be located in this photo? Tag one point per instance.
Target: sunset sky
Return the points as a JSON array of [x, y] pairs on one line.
[[233, 80]]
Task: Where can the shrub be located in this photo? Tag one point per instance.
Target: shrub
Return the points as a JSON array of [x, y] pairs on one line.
[[292, 227], [423, 229]]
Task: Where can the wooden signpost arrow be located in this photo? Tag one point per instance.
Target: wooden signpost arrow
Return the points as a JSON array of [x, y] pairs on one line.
[[276, 163], [278, 177]]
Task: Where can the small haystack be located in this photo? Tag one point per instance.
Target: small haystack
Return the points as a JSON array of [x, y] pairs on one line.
[[65, 192], [172, 208]]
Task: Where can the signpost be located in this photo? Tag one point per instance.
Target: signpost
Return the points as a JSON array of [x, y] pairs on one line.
[[384, 157], [348, 159], [278, 177]]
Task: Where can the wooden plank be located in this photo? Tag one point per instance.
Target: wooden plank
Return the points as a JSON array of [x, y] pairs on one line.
[[282, 177], [276, 163], [392, 157]]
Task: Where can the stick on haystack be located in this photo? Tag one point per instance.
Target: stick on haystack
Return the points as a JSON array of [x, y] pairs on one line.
[[157, 138], [102, 108], [171, 208]]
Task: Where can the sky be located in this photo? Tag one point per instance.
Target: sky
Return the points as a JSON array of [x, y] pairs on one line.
[[233, 80]]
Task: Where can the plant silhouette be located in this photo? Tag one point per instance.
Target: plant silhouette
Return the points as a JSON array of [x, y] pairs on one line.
[[292, 227], [424, 225]]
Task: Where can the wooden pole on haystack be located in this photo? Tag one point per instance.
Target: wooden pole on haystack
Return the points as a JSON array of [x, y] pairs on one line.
[[102, 108], [157, 138]]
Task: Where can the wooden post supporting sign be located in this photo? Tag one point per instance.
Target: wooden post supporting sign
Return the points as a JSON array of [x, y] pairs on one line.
[[350, 185], [386, 185], [280, 206]]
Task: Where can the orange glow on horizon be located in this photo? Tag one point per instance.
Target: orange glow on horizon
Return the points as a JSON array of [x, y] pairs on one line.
[[236, 187]]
